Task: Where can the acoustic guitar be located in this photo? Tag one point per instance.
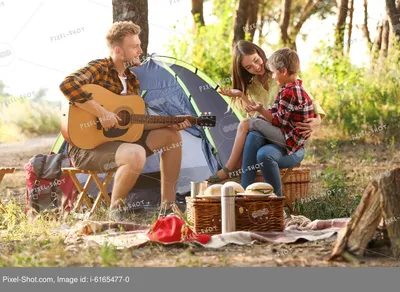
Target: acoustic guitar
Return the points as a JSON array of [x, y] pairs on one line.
[[84, 130]]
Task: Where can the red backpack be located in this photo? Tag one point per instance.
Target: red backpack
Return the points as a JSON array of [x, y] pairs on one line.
[[46, 187]]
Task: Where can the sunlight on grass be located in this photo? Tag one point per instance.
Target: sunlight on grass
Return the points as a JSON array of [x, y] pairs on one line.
[[23, 119], [26, 243]]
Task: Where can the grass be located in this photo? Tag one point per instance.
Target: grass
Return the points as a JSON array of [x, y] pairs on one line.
[[347, 166], [26, 243], [337, 200], [23, 119], [340, 170]]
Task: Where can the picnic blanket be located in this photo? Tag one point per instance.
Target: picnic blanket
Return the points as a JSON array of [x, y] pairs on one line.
[[126, 235]]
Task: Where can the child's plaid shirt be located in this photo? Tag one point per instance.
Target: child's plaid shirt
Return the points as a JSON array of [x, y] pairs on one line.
[[292, 105]]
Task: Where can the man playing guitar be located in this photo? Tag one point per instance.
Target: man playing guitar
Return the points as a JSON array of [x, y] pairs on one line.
[[112, 74]]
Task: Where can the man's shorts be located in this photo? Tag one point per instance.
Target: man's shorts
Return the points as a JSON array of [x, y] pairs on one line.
[[102, 158]]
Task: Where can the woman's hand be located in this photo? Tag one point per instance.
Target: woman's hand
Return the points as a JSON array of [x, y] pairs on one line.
[[308, 126], [254, 107], [230, 92]]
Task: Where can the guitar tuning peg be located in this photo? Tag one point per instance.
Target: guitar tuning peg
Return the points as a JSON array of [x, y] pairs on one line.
[[199, 113], [209, 113]]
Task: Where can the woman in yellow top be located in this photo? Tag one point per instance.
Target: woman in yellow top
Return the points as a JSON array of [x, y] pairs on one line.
[[252, 83]]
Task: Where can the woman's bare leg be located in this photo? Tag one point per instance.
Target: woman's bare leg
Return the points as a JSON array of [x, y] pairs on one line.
[[235, 159]]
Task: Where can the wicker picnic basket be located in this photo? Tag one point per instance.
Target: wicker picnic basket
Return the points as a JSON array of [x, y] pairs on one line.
[[255, 214], [296, 185]]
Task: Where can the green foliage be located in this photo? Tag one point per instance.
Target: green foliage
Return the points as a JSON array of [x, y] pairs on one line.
[[22, 118], [209, 47], [12, 219], [354, 98], [337, 200], [334, 178], [109, 255]]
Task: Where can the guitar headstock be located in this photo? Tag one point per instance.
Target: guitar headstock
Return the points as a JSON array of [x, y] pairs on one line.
[[206, 120]]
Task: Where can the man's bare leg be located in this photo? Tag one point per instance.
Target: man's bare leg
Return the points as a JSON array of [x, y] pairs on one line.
[[171, 159], [234, 161], [130, 159]]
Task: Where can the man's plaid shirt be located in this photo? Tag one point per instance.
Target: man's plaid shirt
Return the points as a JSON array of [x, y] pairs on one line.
[[101, 72], [292, 105]]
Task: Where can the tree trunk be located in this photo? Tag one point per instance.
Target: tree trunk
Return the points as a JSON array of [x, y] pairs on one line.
[[390, 190], [340, 24], [365, 25], [252, 13], [285, 20], [240, 21], [385, 39], [136, 11], [380, 203], [197, 12], [307, 11], [393, 12], [350, 25], [263, 19], [376, 47]]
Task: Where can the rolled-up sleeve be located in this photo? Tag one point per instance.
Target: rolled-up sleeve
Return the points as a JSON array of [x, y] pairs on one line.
[[286, 106], [318, 109], [71, 87]]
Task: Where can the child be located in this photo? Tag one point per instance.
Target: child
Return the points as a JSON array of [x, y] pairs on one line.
[[291, 105]]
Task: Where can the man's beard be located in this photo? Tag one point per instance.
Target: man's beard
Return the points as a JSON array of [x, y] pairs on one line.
[[130, 63]]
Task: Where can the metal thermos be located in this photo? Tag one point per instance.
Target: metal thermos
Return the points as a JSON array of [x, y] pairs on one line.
[[197, 188], [228, 209]]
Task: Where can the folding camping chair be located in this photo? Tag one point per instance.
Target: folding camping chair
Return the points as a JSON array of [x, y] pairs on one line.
[[3, 172], [83, 191]]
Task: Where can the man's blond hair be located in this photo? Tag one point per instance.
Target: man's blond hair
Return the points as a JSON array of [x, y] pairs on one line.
[[119, 30]]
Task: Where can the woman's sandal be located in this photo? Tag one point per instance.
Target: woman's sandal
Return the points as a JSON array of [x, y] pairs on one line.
[[216, 179]]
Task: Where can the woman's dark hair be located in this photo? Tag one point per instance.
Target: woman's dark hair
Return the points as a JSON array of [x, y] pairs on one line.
[[240, 76]]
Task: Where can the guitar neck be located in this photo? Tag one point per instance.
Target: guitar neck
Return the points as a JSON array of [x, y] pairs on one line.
[[145, 119]]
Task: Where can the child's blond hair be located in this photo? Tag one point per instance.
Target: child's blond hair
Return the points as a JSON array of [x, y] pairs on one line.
[[285, 58]]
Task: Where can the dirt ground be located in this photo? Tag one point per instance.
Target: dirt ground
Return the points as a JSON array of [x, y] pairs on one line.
[[306, 254], [16, 155], [362, 163]]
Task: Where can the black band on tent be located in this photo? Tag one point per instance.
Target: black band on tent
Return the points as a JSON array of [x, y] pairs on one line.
[[216, 87], [197, 69]]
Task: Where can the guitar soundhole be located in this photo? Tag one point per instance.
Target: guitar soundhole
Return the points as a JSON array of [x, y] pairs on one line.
[[125, 116]]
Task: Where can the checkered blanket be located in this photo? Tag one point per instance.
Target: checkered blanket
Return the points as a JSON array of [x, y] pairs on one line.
[[126, 235]]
